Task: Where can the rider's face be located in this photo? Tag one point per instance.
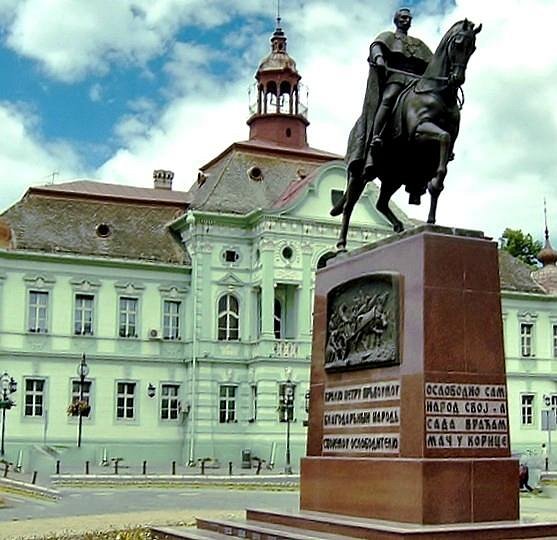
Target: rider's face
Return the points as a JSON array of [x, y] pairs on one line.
[[403, 20]]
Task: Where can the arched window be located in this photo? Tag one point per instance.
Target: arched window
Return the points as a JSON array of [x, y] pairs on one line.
[[278, 319], [229, 318]]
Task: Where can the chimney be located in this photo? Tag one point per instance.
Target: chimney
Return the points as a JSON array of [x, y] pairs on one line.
[[6, 235], [163, 179]]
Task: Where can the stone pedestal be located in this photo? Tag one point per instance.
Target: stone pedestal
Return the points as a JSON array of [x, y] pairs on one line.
[[438, 449]]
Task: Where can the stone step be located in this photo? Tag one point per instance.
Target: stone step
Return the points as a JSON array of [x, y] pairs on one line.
[[185, 533], [258, 530]]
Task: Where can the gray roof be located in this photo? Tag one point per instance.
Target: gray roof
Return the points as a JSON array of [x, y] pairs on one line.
[[515, 275], [229, 188], [54, 224]]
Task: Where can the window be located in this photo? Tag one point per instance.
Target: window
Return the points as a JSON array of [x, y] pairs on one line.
[[555, 341], [258, 318], [527, 409], [286, 412], [125, 400], [128, 317], [76, 395], [227, 404], [38, 311], [526, 343], [228, 320], [253, 403], [277, 319], [34, 397], [171, 319], [231, 256], [170, 404], [83, 321]]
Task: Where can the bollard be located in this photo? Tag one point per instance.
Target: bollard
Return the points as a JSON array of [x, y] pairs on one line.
[[230, 468], [34, 480], [6, 467], [202, 466], [144, 467], [259, 463], [173, 468], [58, 467], [86, 467], [116, 466]]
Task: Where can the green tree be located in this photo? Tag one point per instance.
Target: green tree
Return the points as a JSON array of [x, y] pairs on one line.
[[520, 245]]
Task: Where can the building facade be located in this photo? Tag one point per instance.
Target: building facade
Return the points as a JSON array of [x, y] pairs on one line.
[[194, 310]]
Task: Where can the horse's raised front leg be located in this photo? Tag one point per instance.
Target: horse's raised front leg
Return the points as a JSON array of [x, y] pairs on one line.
[[388, 188], [354, 189], [430, 132]]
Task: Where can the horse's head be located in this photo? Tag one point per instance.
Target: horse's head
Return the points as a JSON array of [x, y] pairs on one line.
[[462, 44]]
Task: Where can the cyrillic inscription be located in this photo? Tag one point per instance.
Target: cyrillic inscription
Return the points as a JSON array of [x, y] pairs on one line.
[[384, 416], [363, 393], [443, 406], [462, 423], [466, 416], [465, 440], [465, 391], [366, 443]]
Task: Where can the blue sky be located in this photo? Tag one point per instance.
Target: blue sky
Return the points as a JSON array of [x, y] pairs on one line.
[[112, 90]]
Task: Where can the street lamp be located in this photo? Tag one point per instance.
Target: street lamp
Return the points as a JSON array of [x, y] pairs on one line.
[[7, 386], [82, 372], [287, 412]]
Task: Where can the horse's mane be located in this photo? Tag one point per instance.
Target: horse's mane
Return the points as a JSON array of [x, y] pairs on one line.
[[439, 65]]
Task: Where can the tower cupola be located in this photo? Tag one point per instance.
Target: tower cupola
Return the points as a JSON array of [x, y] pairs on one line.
[[277, 112]]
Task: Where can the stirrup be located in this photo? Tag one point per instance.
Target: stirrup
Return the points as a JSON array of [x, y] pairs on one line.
[[376, 141]]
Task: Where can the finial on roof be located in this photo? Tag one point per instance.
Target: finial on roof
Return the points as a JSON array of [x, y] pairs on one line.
[[547, 256], [278, 13]]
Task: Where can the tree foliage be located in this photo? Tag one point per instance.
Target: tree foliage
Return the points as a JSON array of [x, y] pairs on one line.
[[520, 245]]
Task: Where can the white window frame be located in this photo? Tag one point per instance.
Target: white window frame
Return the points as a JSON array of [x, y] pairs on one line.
[[554, 330], [124, 328], [527, 411], [34, 394], [83, 311], [527, 339], [33, 310], [170, 402], [125, 395], [278, 323], [227, 314], [172, 321], [228, 403]]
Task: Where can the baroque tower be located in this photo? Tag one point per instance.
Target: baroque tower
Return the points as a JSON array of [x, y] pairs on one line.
[[278, 114]]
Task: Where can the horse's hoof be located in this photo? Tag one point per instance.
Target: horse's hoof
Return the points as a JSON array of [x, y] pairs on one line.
[[336, 210], [431, 221], [341, 247], [398, 227]]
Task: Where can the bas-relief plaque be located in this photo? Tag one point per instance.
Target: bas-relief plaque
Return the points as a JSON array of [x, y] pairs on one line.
[[466, 416], [363, 323]]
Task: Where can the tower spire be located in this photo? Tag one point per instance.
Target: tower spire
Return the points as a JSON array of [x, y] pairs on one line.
[[547, 256], [278, 13]]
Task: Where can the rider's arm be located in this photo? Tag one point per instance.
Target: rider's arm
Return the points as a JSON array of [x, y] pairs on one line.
[[376, 54]]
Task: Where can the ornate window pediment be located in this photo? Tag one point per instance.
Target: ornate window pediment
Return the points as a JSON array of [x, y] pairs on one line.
[[173, 290], [230, 280], [39, 280], [85, 284], [129, 287]]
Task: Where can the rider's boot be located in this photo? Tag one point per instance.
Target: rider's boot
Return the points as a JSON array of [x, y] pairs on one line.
[[379, 123]]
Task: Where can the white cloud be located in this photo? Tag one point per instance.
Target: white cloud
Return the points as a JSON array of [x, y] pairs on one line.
[[27, 160], [96, 92]]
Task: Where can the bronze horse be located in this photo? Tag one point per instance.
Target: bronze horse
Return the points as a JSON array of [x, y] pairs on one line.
[[421, 134]]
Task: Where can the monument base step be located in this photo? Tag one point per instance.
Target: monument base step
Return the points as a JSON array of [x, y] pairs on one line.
[[272, 525]]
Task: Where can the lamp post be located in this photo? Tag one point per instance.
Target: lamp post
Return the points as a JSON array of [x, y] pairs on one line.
[[7, 386], [82, 372], [287, 412]]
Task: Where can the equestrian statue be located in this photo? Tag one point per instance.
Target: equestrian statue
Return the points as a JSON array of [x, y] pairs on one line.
[[410, 118]]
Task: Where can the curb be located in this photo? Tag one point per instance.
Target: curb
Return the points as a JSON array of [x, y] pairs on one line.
[[123, 479], [31, 489]]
